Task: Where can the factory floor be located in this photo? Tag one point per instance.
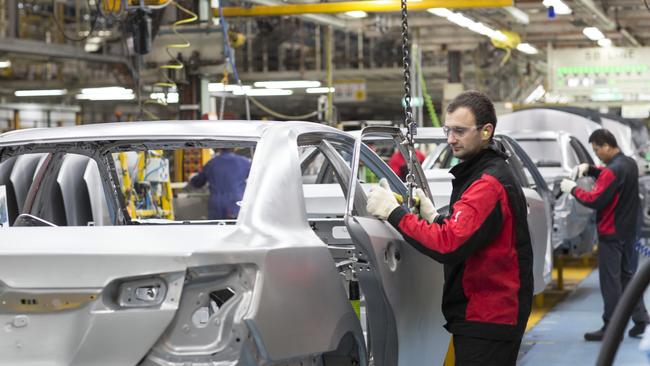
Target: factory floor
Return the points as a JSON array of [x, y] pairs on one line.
[[557, 324]]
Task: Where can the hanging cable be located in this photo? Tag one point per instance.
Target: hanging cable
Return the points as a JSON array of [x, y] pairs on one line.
[[93, 22], [175, 63], [428, 102], [229, 59], [280, 115]]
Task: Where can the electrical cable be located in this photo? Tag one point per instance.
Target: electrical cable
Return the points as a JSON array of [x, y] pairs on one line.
[[280, 115], [93, 22], [645, 2], [175, 63], [229, 59], [428, 102]]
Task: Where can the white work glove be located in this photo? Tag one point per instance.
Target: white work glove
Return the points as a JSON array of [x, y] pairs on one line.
[[583, 169], [427, 209], [567, 185], [381, 201]]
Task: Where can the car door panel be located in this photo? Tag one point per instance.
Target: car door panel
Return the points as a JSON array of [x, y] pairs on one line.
[[401, 285]]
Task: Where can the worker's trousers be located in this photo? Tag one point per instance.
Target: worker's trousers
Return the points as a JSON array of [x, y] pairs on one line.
[[617, 263]]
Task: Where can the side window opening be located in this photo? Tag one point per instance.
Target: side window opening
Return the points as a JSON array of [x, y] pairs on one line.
[[205, 184]]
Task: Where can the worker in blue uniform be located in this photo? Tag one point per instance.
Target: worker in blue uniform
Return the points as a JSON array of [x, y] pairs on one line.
[[226, 174], [615, 197]]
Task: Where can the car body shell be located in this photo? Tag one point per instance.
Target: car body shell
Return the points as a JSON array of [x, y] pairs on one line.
[[143, 294]]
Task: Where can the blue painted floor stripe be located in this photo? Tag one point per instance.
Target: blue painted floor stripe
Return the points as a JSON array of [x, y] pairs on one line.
[[558, 338]]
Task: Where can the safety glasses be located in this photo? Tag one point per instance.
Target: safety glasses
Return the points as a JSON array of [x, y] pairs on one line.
[[458, 131]]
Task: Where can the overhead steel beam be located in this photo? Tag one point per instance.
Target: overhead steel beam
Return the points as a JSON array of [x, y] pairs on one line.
[[56, 51], [371, 6]]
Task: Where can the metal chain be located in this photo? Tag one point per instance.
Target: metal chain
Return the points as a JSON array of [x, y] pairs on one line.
[[409, 122]]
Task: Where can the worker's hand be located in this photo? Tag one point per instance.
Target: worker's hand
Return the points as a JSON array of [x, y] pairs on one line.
[[381, 201], [583, 169], [427, 209], [567, 185]]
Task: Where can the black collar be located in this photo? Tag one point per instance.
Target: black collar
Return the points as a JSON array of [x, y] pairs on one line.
[[489, 152]]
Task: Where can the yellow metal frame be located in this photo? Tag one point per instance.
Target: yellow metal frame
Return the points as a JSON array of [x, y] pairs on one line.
[[371, 6]]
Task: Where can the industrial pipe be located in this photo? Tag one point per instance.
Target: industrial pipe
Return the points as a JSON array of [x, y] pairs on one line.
[[616, 327]]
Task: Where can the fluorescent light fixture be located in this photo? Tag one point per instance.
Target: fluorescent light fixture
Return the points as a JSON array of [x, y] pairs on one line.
[[5, 64], [465, 22], [263, 92], [593, 33], [322, 90], [527, 48], [605, 42], [40, 93], [170, 98], [441, 12], [517, 14], [460, 20], [290, 84], [560, 7], [106, 93], [536, 95], [356, 14], [219, 87]]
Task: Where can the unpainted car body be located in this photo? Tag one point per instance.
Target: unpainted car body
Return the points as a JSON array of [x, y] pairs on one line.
[[266, 289], [578, 125]]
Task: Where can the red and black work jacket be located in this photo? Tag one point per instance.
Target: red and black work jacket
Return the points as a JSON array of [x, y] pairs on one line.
[[615, 197], [485, 247]]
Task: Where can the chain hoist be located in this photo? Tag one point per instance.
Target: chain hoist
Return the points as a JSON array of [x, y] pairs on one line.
[[409, 122]]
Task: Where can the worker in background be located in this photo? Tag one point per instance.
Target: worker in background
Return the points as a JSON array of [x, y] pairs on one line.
[[484, 242], [226, 173], [398, 164], [615, 197]]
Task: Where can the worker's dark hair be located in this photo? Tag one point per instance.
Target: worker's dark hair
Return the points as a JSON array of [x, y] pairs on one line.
[[601, 137], [478, 103]]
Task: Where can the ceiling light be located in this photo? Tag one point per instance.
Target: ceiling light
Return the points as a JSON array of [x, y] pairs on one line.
[[517, 14], [560, 7], [465, 22], [356, 14], [5, 64], [441, 12], [219, 87], [322, 90], [263, 92], [527, 48], [593, 33], [106, 93], [165, 97], [39, 93], [605, 42], [290, 84]]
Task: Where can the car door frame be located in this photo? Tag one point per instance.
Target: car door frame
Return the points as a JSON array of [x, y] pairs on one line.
[[405, 325]]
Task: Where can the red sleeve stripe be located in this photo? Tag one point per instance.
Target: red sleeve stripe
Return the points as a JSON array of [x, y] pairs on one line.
[[474, 209], [600, 192]]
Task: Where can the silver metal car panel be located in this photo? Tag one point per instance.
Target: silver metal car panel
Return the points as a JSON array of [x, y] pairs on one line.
[[414, 311], [22, 175], [95, 188], [549, 120], [537, 214], [76, 199]]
